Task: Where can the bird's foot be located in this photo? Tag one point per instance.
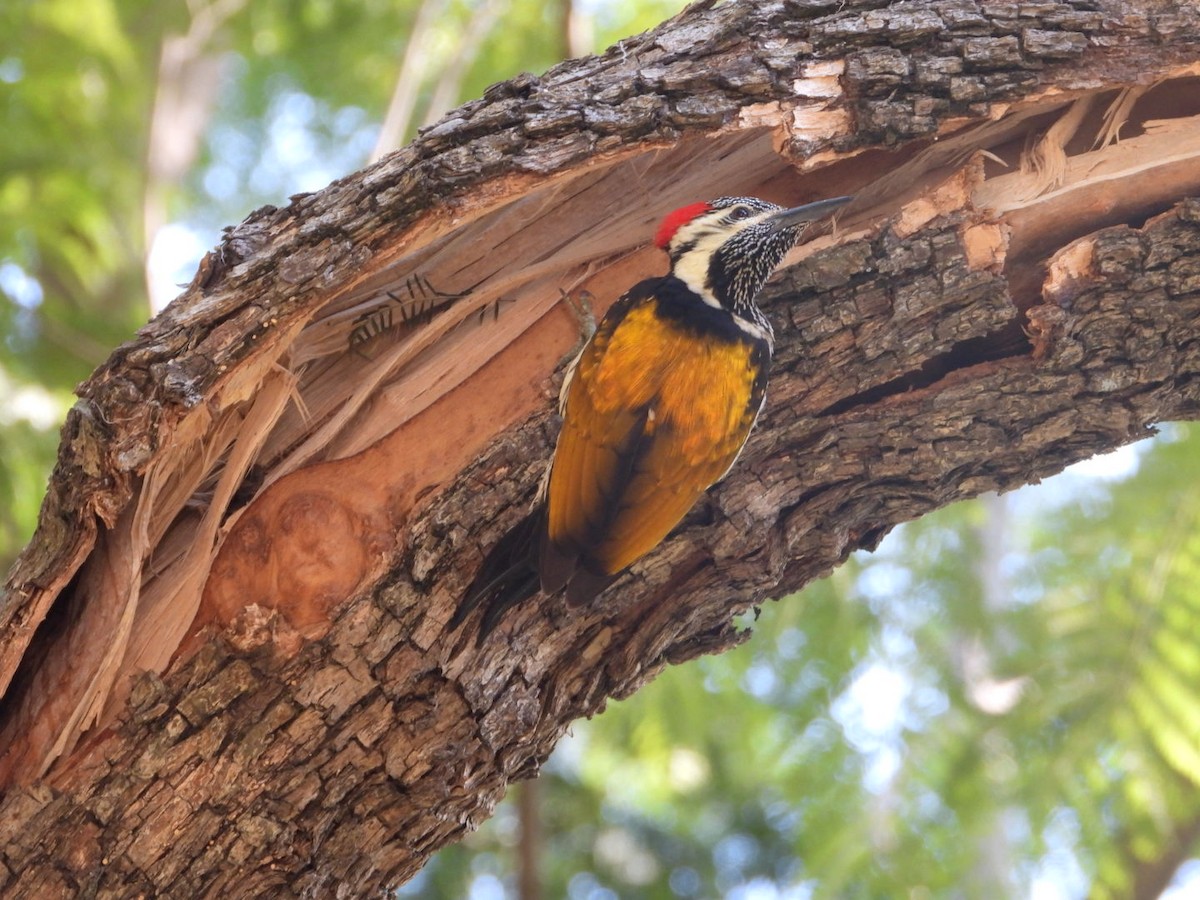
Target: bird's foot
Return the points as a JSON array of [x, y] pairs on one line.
[[580, 305]]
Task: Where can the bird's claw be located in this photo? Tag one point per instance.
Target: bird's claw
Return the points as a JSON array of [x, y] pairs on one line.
[[580, 305]]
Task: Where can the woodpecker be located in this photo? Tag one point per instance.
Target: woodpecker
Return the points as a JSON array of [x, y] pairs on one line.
[[655, 408]]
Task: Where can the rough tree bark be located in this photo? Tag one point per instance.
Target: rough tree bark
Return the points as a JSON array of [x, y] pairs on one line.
[[224, 653]]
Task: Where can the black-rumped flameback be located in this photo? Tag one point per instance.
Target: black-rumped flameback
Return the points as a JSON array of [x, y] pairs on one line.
[[655, 409]]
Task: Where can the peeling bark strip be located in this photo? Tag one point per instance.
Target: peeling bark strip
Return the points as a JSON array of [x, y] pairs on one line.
[[224, 653]]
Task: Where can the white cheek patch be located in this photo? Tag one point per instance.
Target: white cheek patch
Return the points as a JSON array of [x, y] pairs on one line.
[[692, 270], [692, 267]]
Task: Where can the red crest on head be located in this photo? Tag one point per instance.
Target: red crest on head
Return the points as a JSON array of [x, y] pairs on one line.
[[676, 220]]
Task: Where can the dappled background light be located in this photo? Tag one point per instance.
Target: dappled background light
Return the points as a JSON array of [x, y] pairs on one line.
[[1002, 699]]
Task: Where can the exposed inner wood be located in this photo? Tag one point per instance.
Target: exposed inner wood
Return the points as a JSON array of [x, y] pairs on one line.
[[227, 648], [342, 421]]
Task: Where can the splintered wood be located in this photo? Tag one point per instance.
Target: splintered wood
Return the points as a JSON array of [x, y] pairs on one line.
[[342, 425], [234, 615]]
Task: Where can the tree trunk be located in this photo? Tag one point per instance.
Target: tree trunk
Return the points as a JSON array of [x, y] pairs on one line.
[[225, 653]]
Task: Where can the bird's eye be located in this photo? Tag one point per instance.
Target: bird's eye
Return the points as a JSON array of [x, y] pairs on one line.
[[739, 212]]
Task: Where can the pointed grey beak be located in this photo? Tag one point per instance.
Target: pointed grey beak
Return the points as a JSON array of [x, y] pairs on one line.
[[810, 212]]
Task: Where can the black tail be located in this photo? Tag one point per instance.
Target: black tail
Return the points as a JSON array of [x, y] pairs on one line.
[[508, 576]]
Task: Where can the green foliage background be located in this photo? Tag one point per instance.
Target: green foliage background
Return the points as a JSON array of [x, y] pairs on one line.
[[1001, 701]]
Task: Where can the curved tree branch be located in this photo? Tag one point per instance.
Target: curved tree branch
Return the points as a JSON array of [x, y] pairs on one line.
[[225, 654]]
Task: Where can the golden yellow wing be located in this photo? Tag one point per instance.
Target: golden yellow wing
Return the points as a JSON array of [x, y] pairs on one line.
[[657, 410]]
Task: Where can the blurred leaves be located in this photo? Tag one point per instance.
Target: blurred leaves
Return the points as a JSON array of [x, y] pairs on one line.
[[1002, 700]]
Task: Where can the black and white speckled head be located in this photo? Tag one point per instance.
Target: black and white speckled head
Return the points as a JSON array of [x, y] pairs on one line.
[[726, 249]]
